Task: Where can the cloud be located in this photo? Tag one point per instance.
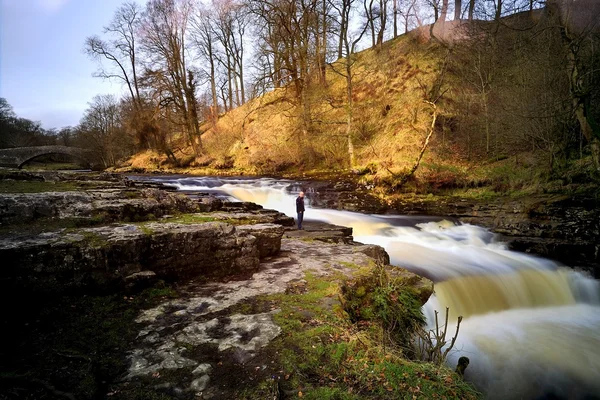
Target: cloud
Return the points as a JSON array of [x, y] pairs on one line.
[[51, 5]]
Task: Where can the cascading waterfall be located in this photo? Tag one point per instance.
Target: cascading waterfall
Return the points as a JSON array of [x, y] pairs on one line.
[[531, 327]]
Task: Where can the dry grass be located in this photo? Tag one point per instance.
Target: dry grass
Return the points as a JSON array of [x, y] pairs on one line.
[[390, 120], [390, 123]]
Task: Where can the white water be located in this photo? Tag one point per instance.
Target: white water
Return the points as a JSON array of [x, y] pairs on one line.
[[531, 327]]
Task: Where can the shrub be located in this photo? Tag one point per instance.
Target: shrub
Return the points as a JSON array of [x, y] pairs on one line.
[[388, 299]]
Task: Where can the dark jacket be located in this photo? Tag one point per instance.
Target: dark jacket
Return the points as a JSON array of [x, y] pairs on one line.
[[299, 204]]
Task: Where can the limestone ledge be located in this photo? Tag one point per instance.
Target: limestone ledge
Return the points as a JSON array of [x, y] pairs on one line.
[[103, 257], [108, 205]]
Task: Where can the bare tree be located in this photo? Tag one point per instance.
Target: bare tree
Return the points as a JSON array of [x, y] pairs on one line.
[[457, 9], [230, 23], [577, 24], [382, 21], [410, 14], [165, 27], [290, 28], [204, 39], [349, 45], [102, 131], [120, 48], [370, 17]]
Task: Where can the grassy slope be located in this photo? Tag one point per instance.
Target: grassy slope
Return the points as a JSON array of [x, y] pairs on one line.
[[390, 125]]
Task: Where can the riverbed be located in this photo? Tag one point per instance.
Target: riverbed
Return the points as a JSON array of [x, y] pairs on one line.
[[531, 325]]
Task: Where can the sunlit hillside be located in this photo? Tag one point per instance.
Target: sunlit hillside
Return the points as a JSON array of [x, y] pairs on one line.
[[498, 108]]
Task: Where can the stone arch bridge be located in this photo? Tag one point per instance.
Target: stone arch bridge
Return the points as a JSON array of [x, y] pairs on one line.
[[18, 156]]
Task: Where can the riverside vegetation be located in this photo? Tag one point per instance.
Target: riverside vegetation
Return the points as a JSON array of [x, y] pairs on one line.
[[502, 102], [477, 109], [102, 308]]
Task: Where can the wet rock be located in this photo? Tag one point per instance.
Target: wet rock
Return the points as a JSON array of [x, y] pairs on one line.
[[209, 204], [241, 206], [321, 231], [253, 217], [377, 253]]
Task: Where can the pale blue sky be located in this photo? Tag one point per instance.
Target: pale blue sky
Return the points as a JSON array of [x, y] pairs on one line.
[[44, 73]]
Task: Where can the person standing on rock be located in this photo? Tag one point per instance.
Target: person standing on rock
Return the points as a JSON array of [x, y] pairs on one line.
[[300, 209]]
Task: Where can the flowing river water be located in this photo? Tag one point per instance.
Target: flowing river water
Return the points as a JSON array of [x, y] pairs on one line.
[[531, 327]]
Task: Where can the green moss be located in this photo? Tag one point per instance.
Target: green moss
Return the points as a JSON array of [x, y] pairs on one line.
[[146, 229], [93, 239], [191, 219], [160, 291], [324, 355], [351, 265], [132, 194], [240, 221]]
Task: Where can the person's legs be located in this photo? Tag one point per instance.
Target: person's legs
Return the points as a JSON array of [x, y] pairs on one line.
[[300, 218]]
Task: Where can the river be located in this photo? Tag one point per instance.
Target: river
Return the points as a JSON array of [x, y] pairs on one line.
[[531, 326]]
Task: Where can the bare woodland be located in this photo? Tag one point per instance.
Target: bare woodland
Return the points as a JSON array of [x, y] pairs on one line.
[[501, 77]]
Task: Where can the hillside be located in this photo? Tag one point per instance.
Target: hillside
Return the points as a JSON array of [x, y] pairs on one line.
[[499, 95]]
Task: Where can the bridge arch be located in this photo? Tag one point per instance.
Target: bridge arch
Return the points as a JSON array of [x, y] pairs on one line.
[[19, 156]]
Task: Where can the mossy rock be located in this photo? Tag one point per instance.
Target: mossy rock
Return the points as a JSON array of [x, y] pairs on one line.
[[389, 297]]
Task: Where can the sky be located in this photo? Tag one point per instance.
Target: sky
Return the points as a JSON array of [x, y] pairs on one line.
[[44, 73]]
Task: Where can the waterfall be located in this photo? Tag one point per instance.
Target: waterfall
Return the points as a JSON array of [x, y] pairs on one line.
[[531, 327]]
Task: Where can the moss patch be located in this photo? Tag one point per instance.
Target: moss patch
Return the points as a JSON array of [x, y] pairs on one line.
[[324, 355]]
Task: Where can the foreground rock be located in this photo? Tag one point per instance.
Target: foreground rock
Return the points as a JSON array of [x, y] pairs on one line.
[[324, 232], [64, 241], [103, 258], [204, 345], [226, 260]]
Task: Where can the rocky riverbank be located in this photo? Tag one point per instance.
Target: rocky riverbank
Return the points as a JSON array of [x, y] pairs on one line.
[[126, 290], [557, 226]]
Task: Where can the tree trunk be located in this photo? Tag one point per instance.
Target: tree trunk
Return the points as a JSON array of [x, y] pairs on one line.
[[471, 9], [579, 96], [324, 45], [349, 111], [583, 118], [444, 13], [213, 85], [370, 22], [229, 79], [457, 9], [382, 21], [487, 123], [415, 166], [498, 10], [395, 18]]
